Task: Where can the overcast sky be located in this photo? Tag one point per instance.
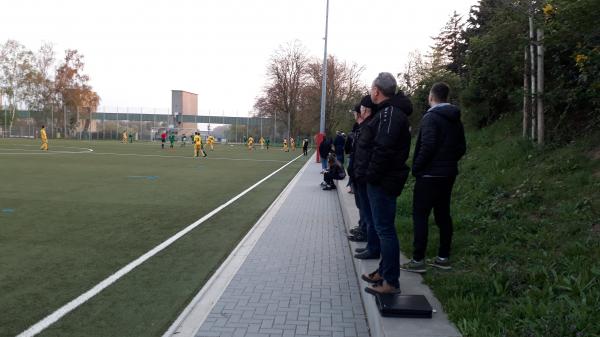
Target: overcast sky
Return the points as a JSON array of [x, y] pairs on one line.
[[136, 51]]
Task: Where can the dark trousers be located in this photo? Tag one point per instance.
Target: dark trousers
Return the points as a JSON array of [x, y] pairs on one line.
[[340, 157], [305, 150], [361, 218], [350, 178], [328, 177], [383, 208], [432, 193], [373, 244]]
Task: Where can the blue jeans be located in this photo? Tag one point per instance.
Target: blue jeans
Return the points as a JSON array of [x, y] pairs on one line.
[[324, 163], [373, 244], [340, 158], [383, 208]]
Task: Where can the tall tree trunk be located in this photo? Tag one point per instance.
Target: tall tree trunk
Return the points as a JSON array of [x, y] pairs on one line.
[[12, 113], [540, 86], [533, 72], [526, 106]]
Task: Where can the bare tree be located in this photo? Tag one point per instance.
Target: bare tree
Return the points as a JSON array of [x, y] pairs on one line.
[[294, 90], [413, 73], [71, 85], [344, 89], [285, 72], [16, 64]]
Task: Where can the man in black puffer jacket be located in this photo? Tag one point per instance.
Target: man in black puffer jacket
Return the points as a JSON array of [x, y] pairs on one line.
[[367, 231], [383, 148], [440, 145]]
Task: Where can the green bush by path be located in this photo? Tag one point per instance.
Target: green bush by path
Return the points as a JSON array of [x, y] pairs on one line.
[[526, 244]]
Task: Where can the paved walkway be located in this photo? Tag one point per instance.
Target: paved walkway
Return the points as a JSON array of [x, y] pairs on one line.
[[299, 278], [294, 275]]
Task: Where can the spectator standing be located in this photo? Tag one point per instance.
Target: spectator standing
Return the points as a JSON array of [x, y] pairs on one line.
[[386, 175], [338, 144], [358, 233], [361, 158], [305, 146], [440, 145]]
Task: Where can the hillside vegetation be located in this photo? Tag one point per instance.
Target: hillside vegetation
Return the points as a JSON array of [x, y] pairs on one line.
[[527, 237]]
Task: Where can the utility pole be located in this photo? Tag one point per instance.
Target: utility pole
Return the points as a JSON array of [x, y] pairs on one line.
[[321, 136], [65, 119], [324, 74]]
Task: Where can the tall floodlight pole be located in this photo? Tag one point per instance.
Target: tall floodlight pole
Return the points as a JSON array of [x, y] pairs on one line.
[[324, 75], [321, 135]]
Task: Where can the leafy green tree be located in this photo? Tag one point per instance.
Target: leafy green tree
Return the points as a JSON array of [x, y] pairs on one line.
[[572, 41], [450, 44], [495, 39]]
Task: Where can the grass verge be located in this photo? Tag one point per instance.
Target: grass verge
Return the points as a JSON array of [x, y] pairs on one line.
[[526, 243]]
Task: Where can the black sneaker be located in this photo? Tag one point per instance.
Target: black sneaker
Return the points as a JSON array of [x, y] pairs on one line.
[[356, 230], [414, 266], [358, 238], [440, 262], [366, 255]]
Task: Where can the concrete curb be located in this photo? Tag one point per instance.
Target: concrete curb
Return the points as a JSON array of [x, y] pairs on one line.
[[410, 283]]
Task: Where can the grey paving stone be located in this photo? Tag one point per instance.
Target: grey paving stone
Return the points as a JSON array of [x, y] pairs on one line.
[[299, 279]]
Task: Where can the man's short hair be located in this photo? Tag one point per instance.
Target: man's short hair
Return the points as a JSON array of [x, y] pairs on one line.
[[440, 91], [386, 83]]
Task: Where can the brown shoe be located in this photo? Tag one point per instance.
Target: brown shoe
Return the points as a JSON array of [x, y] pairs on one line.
[[373, 277], [382, 288]]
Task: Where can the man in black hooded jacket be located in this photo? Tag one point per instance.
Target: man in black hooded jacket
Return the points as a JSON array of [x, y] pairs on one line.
[[440, 145], [380, 160]]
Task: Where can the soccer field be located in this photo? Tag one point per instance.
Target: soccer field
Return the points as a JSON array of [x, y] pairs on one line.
[[72, 217]]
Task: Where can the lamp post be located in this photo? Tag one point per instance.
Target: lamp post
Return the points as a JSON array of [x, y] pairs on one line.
[[321, 134]]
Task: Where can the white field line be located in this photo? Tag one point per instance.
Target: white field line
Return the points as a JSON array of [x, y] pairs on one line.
[[86, 150], [44, 153], [193, 316], [37, 152], [189, 157], [65, 309]]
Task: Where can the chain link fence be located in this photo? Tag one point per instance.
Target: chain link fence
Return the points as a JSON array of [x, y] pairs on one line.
[[143, 124]]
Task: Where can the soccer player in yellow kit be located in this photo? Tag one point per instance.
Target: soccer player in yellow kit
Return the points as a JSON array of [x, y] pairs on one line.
[[285, 146], [262, 143], [293, 143], [124, 137], [250, 143], [44, 138], [211, 142], [198, 145]]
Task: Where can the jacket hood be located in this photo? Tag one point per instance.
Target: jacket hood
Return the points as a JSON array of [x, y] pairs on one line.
[[400, 101], [448, 111]]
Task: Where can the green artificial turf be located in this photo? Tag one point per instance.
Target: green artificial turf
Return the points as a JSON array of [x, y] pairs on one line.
[[526, 247], [69, 220]]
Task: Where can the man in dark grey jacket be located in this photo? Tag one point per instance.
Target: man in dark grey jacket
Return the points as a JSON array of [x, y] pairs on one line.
[[384, 145], [440, 145]]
